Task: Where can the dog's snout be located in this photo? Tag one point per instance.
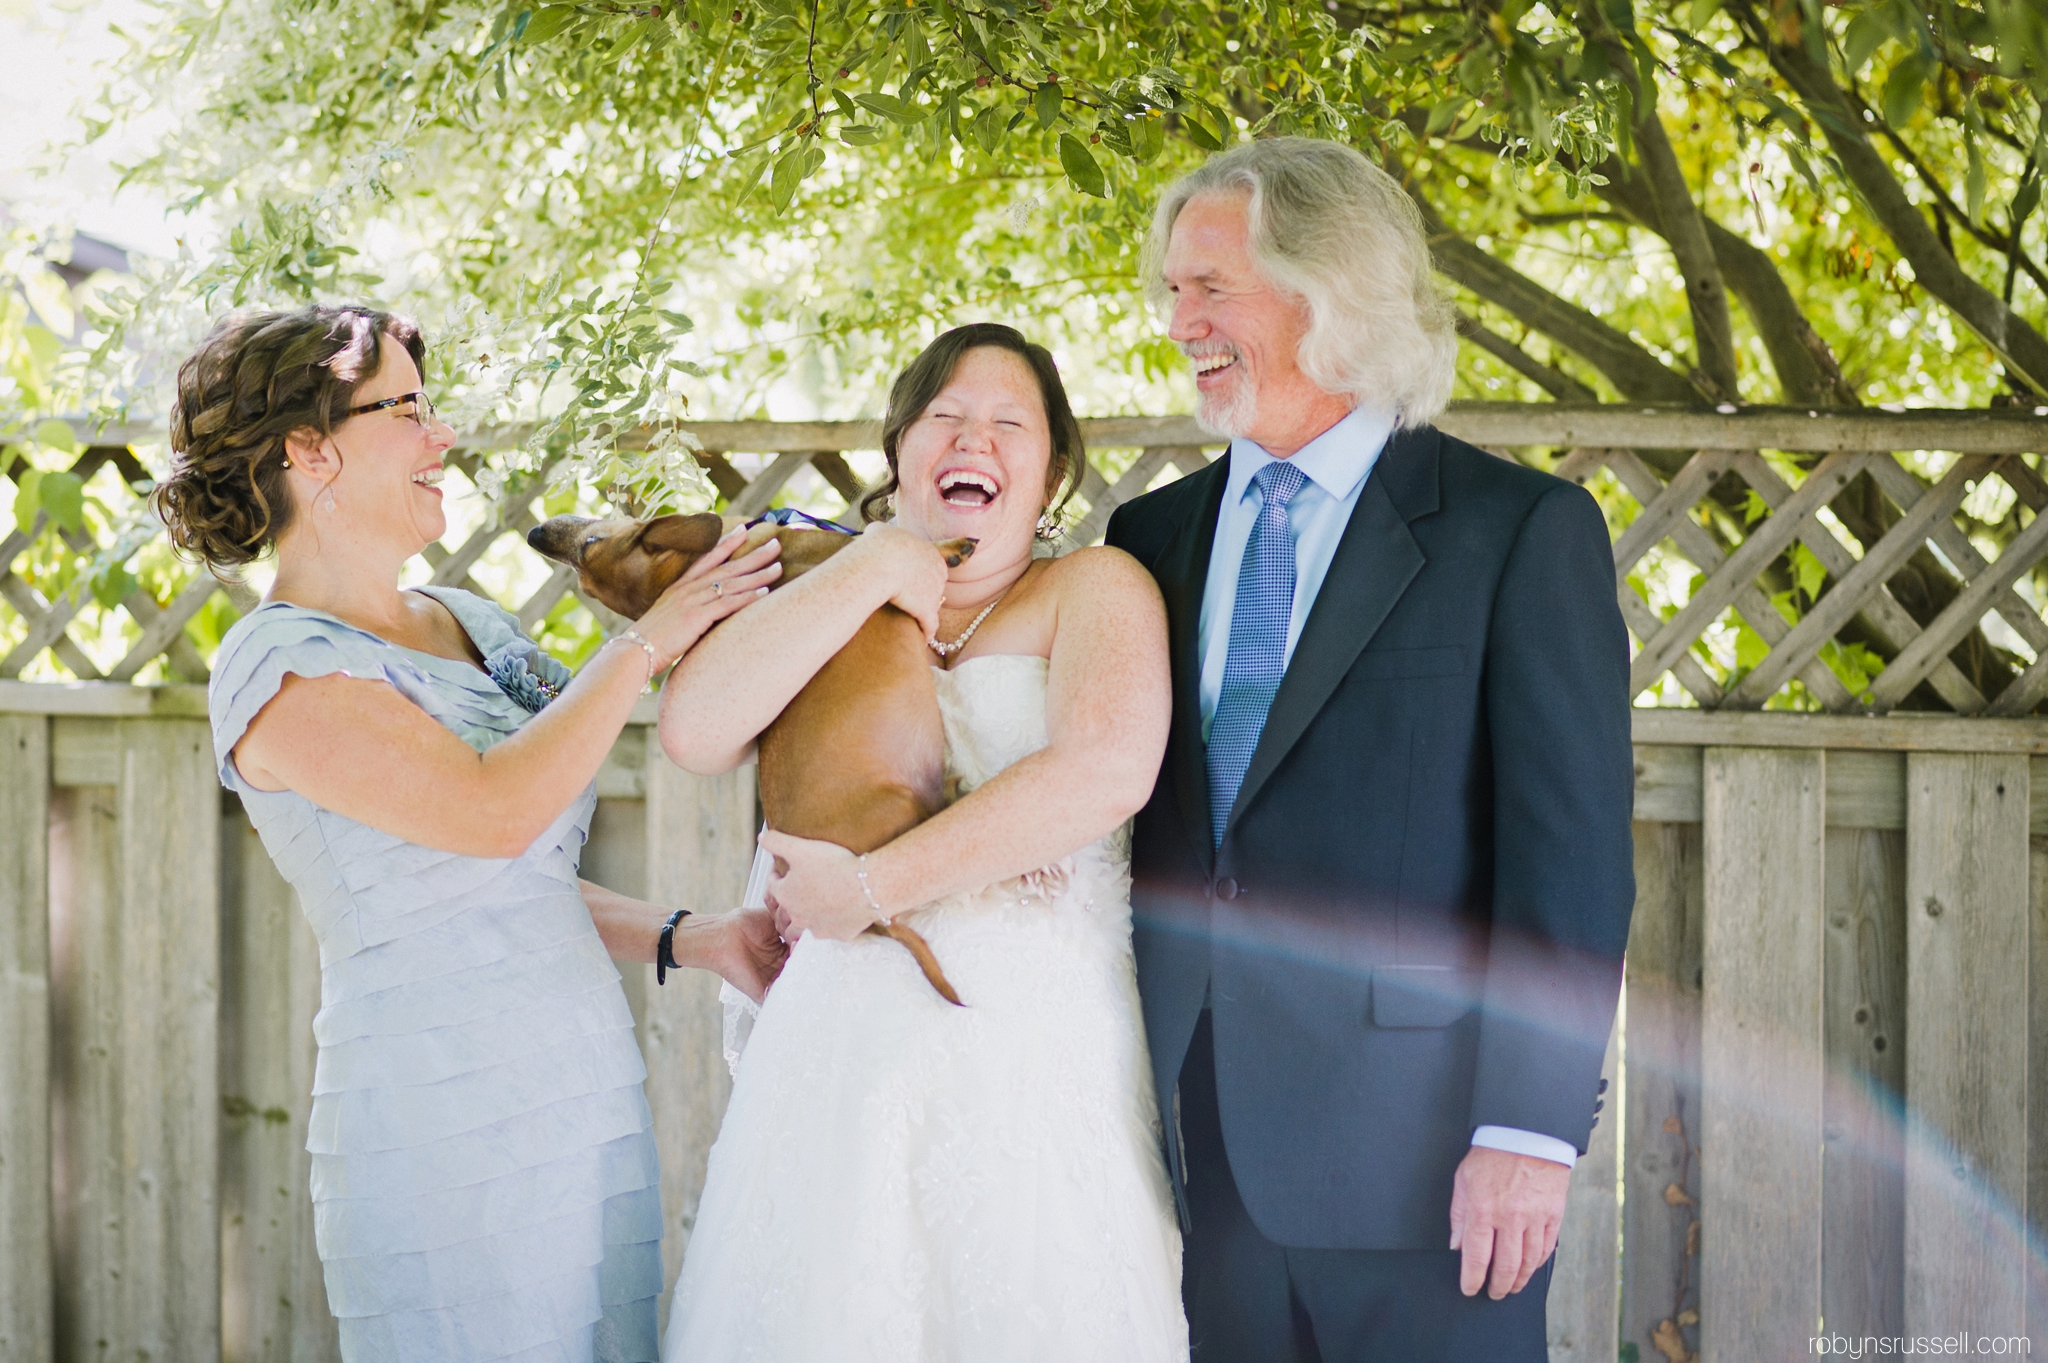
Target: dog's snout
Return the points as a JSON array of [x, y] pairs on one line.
[[560, 538]]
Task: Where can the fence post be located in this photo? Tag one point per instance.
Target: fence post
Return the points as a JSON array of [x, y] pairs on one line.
[[273, 1299], [1863, 1220], [25, 1244], [167, 945], [700, 842], [1660, 1281], [1966, 1059], [141, 906], [1760, 1054]]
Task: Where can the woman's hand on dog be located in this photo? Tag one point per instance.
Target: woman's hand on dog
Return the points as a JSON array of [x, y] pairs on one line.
[[816, 887], [915, 566], [716, 585], [750, 952]]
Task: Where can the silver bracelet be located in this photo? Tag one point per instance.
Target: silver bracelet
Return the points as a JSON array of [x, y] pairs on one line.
[[860, 871], [653, 658]]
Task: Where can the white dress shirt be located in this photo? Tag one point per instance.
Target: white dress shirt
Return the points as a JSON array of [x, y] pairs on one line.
[[1336, 464]]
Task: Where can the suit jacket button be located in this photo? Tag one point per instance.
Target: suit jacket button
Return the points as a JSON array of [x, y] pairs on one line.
[[1226, 888]]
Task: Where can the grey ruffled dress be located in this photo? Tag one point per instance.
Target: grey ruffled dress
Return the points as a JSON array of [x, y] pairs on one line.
[[485, 1181]]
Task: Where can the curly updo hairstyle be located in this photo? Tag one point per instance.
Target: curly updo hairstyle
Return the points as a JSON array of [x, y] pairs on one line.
[[927, 375], [258, 377]]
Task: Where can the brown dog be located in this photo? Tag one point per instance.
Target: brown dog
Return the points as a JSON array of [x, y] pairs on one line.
[[858, 757]]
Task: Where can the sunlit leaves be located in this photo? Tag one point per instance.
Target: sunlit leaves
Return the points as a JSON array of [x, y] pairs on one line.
[[1081, 166]]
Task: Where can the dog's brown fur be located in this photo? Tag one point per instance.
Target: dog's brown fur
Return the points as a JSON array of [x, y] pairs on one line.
[[858, 756]]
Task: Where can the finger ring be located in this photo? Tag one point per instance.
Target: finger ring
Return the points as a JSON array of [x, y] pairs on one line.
[[718, 588]]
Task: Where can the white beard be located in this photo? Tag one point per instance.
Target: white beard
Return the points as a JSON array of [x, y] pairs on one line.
[[1229, 414]]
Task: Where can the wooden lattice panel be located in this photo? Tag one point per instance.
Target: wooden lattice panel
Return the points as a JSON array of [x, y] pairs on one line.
[[162, 625], [1857, 586], [1678, 521]]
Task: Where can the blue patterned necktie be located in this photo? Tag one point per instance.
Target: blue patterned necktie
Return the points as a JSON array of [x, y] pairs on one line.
[[1258, 641]]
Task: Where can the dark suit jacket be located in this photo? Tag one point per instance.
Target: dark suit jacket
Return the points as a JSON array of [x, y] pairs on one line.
[[1415, 922]]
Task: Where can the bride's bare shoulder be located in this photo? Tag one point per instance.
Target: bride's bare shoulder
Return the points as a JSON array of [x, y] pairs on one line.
[[1101, 573]]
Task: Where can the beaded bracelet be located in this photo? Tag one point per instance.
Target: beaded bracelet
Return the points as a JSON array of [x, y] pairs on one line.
[[860, 871], [653, 658], [665, 947]]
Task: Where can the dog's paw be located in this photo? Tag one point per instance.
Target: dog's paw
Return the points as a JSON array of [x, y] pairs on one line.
[[956, 552]]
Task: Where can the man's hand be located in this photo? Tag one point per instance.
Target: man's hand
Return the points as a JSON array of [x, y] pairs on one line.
[[1506, 1210]]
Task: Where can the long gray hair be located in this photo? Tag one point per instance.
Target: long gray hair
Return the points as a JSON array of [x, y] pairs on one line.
[[1333, 229]]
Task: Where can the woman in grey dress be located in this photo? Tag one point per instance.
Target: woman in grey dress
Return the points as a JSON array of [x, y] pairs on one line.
[[484, 1172]]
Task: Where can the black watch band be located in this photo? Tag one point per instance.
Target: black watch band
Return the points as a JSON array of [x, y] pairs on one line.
[[664, 949]]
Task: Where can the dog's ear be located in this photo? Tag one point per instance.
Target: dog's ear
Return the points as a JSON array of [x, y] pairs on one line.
[[694, 534]]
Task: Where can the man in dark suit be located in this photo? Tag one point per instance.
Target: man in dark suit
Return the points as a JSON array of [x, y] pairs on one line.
[[1383, 885]]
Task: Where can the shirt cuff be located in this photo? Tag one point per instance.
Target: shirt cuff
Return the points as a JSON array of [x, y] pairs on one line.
[[1516, 1141]]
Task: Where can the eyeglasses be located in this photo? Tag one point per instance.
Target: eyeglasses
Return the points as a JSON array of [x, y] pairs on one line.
[[422, 413]]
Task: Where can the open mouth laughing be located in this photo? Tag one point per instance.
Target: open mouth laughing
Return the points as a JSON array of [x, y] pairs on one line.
[[430, 477], [968, 488], [1211, 361]]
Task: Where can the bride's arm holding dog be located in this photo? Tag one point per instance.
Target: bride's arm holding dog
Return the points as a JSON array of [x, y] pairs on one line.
[[709, 717], [1108, 708]]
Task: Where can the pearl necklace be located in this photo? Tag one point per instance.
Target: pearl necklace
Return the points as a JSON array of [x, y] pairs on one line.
[[947, 650]]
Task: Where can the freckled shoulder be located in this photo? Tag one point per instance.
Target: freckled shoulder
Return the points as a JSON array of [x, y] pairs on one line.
[[1104, 574]]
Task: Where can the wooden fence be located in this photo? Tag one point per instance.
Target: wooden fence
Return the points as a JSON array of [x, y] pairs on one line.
[[1824, 1116]]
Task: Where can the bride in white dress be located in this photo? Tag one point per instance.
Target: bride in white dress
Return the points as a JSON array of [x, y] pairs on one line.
[[898, 1178]]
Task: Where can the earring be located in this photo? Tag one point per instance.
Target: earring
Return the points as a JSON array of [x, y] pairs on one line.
[[287, 463], [1048, 527], [327, 500]]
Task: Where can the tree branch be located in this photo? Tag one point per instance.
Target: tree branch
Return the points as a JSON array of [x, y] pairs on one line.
[[1555, 382], [1683, 225], [1633, 370], [2006, 243], [1807, 370], [2023, 349]]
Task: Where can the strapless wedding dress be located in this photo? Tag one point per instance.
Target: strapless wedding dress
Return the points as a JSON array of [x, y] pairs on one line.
[[899, 1179]]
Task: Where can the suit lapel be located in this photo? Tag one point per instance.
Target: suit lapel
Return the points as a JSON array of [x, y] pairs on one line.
[[1183, 574], [1375, 561]]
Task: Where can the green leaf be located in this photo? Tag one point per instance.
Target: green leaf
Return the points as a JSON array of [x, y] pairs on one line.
[[1901, 98], [2023, 203], [546, 24], [27, 499], [1702, 10], [680, 321], [860, 134], [1866, 34], [988, 129], [1081, 167], [1200, 135], [50, 296], [635, 34], [56, 435], [892, 108], [1148, 137], [63, 496], [1443, 113], [1045, 102], [111, 587], [1974, 183], [792, 168], [1809, 571], [783, 180]]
